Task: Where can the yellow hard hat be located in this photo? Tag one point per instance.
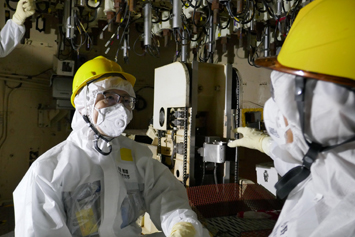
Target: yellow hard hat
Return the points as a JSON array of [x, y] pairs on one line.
[[320, 43], [95, 69]]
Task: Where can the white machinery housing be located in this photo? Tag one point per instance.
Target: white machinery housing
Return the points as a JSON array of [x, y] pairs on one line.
[[195, 108]]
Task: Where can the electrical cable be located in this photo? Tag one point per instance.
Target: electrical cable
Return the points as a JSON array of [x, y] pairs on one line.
[[140, 99], [283, 6], [124, 30], [77, 47], [227, 25], [157, 13], [15, 87], [6, 108], [94, 17], [141, 103], [198, 37], [252, 15], [239, 17], [245, 10], [269, 9], [31, 76], [134, 45], [202, 26], [106, 26], [36, 75], [205, 59], [79, 26], [203, 171], [153, 50], [259, 9], [215, 173], [144, 87], [227, 4], [8, 5]]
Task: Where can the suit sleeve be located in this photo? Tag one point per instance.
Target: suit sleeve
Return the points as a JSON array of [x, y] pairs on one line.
[[10, 37]]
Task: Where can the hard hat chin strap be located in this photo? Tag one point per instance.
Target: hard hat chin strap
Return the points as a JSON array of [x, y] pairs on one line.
[[97, 137], [296, 175]]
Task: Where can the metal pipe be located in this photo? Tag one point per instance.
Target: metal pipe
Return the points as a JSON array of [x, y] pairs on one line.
[[211, 39], [81, 3], [266, 41], [24, 82], [177, 5], [126, 46], [147, 24], [184, 47], [279, 8], [69, 19]]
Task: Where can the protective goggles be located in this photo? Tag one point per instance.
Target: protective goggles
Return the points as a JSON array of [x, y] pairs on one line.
[[112, 98]]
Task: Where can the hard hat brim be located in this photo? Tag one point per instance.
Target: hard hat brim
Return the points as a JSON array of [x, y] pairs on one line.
[[273, 64]]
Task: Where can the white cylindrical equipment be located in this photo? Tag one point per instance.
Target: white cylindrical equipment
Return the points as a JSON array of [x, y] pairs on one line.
[[147, 24], [177, 13]]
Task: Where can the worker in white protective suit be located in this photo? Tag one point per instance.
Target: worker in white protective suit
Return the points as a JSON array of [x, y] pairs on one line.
[[311, 122], [97, 182], [14, 29]]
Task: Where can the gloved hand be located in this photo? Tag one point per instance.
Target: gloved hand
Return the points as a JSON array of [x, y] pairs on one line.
[[253, 139], [24, 9], [183, 229]]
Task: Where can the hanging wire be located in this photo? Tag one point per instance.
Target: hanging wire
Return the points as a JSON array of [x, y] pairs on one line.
[[253, 57], [158, 15], [261, 10], [82, 33], [227, 25], [9, 6], [228, 7], [244, 17], [140, 37], [124, 30], [198, 37], [268, 8], [93, 18], [153, 49], [202, 49], [293, 11]]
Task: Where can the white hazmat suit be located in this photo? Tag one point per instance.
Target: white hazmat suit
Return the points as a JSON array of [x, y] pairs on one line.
[[323, 204], [10, 37], [73, 190], [14, 30]]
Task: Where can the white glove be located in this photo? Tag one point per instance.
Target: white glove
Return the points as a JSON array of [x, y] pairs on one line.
[[24, 9], [253, 139], [183, 229]]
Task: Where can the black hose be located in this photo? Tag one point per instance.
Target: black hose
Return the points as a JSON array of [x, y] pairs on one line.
[[8, 4]]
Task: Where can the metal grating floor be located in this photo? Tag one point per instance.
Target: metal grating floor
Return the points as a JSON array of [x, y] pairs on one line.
[[231, 226], [217, 207]]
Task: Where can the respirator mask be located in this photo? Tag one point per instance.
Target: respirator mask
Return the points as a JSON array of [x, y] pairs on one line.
[[113, 120]]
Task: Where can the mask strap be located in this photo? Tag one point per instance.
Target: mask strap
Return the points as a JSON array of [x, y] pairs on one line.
[[97, 137], [296, 175]]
